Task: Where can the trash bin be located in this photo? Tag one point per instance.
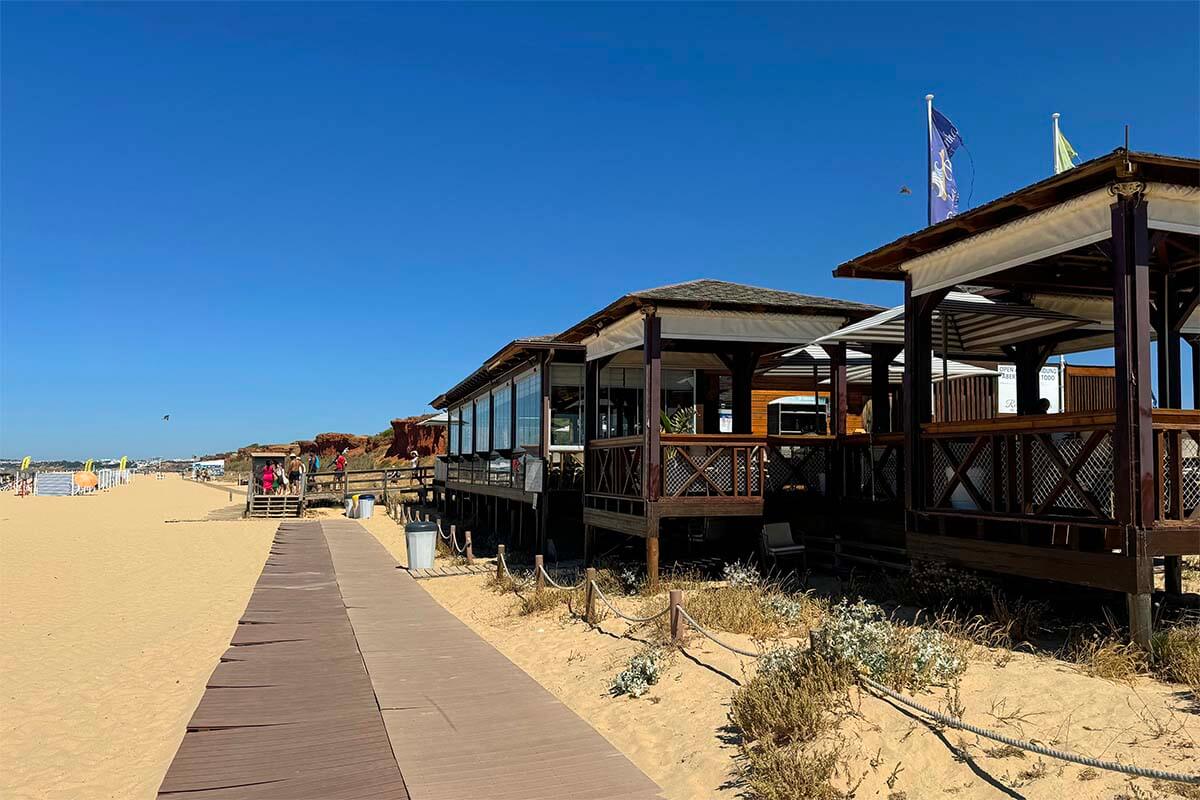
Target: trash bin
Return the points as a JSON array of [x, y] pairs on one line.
[[366, 504], [350, 507], [421, 540]]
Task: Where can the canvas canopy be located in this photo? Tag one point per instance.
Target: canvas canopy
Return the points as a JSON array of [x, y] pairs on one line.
[[726, 326], [975, 325], [1074, 223], [804, 360]]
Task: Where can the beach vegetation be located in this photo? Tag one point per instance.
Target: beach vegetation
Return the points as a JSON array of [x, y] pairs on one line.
[[643, 671]]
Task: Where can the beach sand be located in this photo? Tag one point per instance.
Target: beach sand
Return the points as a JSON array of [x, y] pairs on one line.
[[678, 733], [112, 617]]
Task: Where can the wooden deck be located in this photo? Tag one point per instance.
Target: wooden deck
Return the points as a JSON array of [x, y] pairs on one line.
[[437, 713]]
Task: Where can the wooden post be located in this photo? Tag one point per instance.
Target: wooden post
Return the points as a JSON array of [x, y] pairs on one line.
[[675, 600], [453, 539], [589, 596], [538, 566], [1133, 484], [652, 405], [835, 478], [469, 553], [882, 356], [918, 344], [589, 544], [652, 559], [499, 563]]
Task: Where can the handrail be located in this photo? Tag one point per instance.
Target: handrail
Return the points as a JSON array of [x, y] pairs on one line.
[[889, 437], [616, 441], [720, 439], [1029, 423], [1176, 419]]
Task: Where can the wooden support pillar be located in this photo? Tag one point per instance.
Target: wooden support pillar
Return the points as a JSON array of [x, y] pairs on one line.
[[1194, 342], [741, 367], [1029, 359], [918, 345], [589, 544], [882, 356], [652, 407], [708, 389], [652, 559], [837, 423], [1134, 494]]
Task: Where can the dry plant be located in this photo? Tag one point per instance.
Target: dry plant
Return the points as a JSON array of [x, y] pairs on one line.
[[1177, 655], [790, 772], [532, 601], [1104, 656]]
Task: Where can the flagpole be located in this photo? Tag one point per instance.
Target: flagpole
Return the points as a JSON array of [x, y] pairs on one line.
[[929, 158], [1054, 144]]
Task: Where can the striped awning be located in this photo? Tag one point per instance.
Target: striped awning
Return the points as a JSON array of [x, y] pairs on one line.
[[975, 326], [813, 361]]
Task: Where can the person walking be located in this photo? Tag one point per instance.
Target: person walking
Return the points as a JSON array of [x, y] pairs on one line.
[[268, 478], [295, 469], [339, 465]]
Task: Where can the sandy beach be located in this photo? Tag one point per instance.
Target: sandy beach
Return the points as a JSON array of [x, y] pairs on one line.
[[115, 609], [678, 733]]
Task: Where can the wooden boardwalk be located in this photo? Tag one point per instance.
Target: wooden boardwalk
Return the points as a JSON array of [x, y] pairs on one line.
[[462, 721]]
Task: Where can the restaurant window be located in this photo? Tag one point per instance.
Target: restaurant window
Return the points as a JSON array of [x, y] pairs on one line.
[[679, 392], [796, 415], [455, 428], [482, 427], [566, 404], [619, 402], [502, 411], [529, 410], [468, 443]]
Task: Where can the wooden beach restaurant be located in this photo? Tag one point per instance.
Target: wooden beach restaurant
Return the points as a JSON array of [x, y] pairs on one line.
[[700, 412]]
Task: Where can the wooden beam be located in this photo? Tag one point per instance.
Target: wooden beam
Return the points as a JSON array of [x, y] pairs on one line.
[[882, 356]]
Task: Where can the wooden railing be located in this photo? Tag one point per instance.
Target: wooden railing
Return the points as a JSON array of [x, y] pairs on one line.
[[1177, 465], [713, 466], [873, 466], [799, 463], [368, 481], [614, 467], [496, 470], [1050, 467]]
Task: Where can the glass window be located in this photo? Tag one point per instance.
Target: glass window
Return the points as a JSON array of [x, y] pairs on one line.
[[566, 404], [502, 410], [482, 427], [455, 426], [619, 402], [468, 443], [796, 418], [529, 410], [679, 392]]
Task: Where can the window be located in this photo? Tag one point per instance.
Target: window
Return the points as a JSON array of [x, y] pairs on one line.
[[502, 411], [797, 416], [566, 404], [679, 392], [620, 395], [454, 423], [482, 427], [619, 404], [468, 443], [529, 410]]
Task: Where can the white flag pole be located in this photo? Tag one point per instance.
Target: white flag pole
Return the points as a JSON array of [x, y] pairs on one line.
[[1054, 143], [929, 157]]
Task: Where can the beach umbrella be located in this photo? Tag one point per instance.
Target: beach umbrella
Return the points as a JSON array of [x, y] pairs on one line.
[[86, 480]]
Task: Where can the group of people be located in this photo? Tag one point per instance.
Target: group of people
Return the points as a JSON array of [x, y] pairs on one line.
[[288, 475]]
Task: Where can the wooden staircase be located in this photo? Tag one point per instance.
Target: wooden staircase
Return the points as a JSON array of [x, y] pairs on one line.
[[278, 505]]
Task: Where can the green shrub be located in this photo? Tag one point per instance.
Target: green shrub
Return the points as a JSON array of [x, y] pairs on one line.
[[644, 670]]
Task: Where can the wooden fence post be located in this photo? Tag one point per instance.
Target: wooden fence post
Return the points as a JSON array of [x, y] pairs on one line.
[[499, 563], [589, 596], [676, 600], [453, 539], [537, 570], [469, 553]]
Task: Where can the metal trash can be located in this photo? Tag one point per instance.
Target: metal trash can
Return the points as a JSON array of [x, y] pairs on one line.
[[350, 507], [366, 505], [421, 540]]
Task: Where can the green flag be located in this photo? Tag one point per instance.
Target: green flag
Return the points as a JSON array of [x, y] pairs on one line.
[[1063, 153]]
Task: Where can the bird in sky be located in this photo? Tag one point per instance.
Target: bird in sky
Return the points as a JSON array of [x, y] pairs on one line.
[[904, 190], [166, 417]]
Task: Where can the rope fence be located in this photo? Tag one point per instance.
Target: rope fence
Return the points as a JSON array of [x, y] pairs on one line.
[[679, 615]]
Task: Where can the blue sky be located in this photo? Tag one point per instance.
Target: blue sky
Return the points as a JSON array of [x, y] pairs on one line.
[[274, 220]]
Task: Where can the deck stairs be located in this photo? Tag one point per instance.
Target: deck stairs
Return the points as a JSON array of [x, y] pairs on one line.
[[277, 505]]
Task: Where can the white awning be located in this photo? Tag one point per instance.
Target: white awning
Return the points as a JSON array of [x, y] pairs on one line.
[[724, 326], [804, 362], [975, 325], [1077, 222], [1097, 309]]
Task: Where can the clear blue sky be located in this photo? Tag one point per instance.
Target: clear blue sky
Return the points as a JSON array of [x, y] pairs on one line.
[[186, 186]]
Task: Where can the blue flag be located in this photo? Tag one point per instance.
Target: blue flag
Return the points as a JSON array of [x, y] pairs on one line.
[[943, 190]]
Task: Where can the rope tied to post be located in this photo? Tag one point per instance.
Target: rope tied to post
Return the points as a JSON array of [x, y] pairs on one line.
[[558, 585], [701, 630], [510, 576], [635, 620]]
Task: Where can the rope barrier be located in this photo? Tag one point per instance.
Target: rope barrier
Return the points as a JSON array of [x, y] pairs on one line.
[[954, 722], [615, 610], [557, 585], [504, 564], [700, 629]]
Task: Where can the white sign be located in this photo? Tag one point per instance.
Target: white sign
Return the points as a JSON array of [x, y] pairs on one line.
[[1007, 389]]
